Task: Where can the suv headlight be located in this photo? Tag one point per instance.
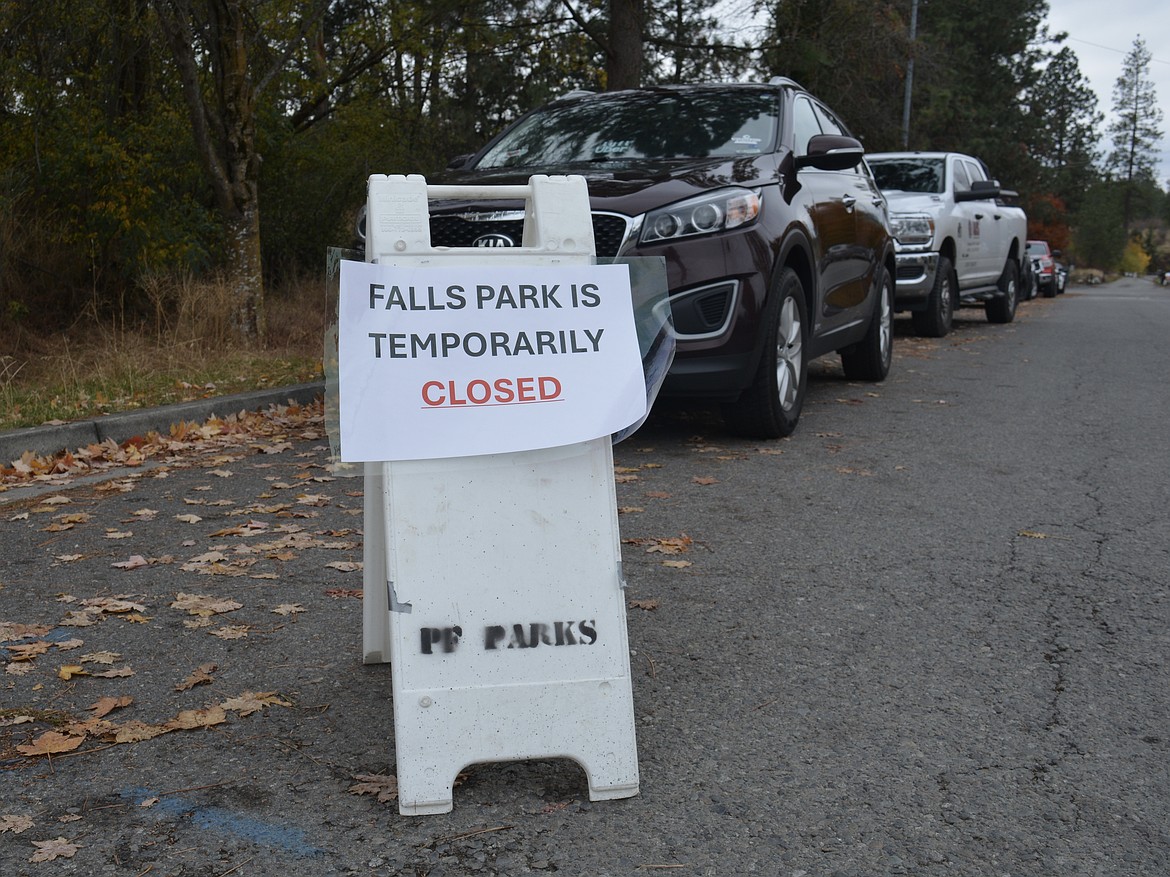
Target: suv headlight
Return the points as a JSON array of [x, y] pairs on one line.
[[912, 229], [716, 211]]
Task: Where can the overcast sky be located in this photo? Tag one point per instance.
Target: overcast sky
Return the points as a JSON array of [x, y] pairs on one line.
[[1102, 34]]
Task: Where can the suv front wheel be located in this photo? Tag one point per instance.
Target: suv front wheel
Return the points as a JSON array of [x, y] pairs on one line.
[[869, 359], [770, 407]]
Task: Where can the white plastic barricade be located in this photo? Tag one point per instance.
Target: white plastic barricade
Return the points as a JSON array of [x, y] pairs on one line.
[[493, 583]]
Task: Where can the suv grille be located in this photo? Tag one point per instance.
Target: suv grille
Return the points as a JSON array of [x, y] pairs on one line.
[[456, 230]]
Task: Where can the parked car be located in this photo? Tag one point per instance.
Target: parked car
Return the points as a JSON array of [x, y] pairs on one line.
[[775, 237], [1050, 275], [960, 237]]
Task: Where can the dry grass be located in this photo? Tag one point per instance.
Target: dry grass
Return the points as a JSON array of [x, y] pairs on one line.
[[184, 350]]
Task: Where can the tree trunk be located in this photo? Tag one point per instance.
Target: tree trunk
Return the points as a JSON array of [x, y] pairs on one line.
[[623, 66], [224, 126]]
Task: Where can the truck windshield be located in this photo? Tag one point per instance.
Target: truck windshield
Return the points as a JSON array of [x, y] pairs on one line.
[[909, 174], [636, 126]]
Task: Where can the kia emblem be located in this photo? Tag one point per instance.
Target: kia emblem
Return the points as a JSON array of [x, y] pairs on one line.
[[493, 240]]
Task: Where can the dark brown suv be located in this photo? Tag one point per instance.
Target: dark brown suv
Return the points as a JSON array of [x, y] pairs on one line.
[[775, 237]]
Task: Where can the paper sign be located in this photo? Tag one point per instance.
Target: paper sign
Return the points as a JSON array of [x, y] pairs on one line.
[[469, 360]]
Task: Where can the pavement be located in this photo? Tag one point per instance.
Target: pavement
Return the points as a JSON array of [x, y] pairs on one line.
[[926, 635]]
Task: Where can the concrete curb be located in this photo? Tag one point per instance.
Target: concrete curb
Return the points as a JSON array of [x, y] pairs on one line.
[[48, 440]]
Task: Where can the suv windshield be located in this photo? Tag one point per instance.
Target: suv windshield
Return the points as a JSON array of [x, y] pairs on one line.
[[639, 126], [909, 174]]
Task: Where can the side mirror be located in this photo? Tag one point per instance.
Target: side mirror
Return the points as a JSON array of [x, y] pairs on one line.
[[459, 162], [831, 152], [981, 190]]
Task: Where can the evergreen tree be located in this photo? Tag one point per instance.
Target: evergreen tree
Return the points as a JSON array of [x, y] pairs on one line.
[[1064, 136], [1135, 131], [1100, 236]]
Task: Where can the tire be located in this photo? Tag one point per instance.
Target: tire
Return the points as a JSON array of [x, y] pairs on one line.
[[1002, 308], [770, 407], [869, 359], [1050, 289], [939, 316]]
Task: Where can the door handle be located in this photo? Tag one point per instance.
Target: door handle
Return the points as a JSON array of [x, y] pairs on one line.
[[978, 215], [848, 201]]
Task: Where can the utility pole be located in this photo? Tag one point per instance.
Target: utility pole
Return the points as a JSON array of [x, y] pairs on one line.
[[909, 75]]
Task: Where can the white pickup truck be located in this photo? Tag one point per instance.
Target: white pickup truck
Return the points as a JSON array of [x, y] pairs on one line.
[[959, 242]]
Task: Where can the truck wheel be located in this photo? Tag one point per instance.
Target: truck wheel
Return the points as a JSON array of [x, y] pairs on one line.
[[1002, 308], [869, 359], [939, 316], [770, 407]]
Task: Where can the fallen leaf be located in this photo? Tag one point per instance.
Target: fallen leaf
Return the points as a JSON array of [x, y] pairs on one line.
[[48, 850], [345, 565], [232, 631], [677, 564], [289, 609], [705, 479], [201, 676], [135, 561], [28, 651], [204, 605], [119, 673], [189, 720], [80, 618], [103, 706], [68, 671], [188, 519], [1032, 535], [677, 545], [136, 732], [114, 605], [15, 824], [385, 787], [648, 605], [50, 743], [250, 701]]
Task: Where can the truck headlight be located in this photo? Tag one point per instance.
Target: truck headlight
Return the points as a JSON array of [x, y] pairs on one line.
[[716, 211], [912, 229]]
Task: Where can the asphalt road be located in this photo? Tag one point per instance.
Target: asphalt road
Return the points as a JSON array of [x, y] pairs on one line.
[[926, 635]]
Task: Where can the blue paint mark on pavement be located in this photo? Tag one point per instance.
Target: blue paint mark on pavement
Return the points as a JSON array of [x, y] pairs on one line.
[[284, 838]]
